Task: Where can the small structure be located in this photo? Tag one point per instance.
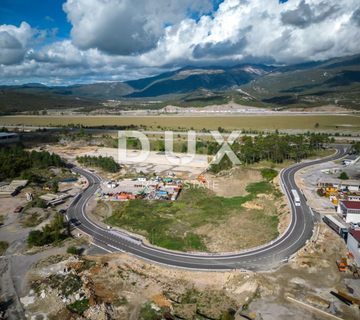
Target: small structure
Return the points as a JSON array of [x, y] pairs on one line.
[[350, 210], [352, 159], [6, 137], [353, 244], [54, 199], [13, 188]]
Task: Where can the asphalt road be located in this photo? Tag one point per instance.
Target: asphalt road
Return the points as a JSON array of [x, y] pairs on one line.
[[263, 258]]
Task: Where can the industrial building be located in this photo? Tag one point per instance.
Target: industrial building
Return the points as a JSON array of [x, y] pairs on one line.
[[350, 210], [351, 159], [6, 137], [353, 244], [350, 185]]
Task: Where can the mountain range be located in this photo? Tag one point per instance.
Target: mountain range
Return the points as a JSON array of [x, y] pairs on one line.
[[335, 82]]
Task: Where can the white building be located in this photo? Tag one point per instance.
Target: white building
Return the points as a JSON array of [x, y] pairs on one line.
[[350, 210], [6, 137], [353, 244], [352, 159]]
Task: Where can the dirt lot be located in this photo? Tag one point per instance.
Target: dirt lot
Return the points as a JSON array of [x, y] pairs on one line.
[[156, 162], [232, 183], [137, 288]]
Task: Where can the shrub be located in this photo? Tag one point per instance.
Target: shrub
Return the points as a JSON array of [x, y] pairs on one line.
[[269, 174], [72, 250]]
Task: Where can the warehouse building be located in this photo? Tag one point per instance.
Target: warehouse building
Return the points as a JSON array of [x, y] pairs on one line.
[[350, 210], [9, 137]]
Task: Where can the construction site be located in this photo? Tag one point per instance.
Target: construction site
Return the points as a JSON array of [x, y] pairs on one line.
[[141, 188]]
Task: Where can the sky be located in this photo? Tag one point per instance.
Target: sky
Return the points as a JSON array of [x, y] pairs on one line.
[[71, 42]]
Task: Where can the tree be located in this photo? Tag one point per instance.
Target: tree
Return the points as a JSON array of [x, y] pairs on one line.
[[82, 131], [317, 125], [55, 187], [35, 238], [344, 176], [161, 146], [184, 148]]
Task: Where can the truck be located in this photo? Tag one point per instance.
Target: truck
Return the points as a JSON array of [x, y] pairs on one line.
[[341, 266], [339, 227], [296, 198]]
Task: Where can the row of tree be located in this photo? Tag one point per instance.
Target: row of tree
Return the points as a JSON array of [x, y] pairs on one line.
[[106, 163], [15, 161], [273, 148]]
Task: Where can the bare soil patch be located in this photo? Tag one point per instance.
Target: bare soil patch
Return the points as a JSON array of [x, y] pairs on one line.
[[234, 182]]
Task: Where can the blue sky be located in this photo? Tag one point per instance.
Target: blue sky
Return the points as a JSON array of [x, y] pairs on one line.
[[38, 13], [119, 40]]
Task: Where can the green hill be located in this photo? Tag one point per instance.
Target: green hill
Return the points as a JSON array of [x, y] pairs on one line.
[[335, 82]]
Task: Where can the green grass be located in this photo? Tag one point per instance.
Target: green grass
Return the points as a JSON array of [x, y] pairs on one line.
[[3, 247], [79, 307], [172, 224]]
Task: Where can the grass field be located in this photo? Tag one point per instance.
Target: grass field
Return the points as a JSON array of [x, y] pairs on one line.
[[259, 122], [175, 224]]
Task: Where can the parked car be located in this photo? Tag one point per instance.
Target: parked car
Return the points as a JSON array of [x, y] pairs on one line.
[[62, 211], [353, 225], [18, 209]]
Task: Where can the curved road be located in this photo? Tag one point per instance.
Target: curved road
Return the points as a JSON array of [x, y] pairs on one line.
[[263, 258]]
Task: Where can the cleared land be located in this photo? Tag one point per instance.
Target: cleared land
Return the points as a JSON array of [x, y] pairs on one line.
[[202, 221], [259, 122]]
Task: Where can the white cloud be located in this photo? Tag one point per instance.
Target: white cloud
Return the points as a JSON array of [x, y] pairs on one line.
[[127, 39], [125, 27], [13, 43]]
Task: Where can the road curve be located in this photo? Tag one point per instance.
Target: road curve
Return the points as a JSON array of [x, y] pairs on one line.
[[258, 259]]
